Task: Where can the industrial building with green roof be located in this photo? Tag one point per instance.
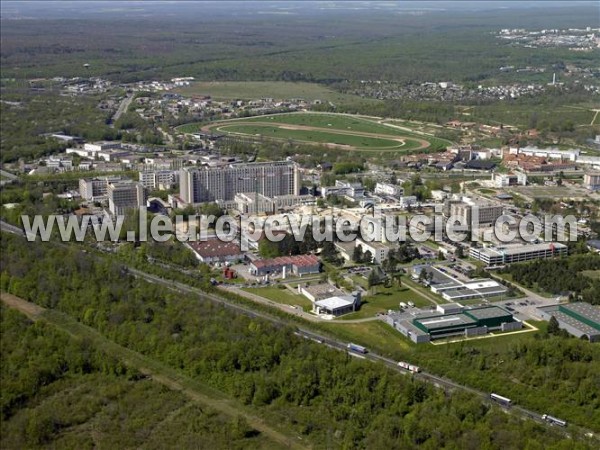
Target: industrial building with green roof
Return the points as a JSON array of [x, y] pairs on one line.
[[579, 319], [470, 321]]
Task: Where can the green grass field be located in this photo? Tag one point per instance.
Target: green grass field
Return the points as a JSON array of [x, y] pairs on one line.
[[520, 115], [356, 141], [279, 90], [384, 299], [374, 335], [283, 296], [328, 120], [359, 132], [593, 274]]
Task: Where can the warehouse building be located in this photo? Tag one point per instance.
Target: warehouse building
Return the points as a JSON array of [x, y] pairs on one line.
[[471, 322], [453, 290], [512, 253], [415, 334], [475, 321], [298, 265], [338, 305], [580, 319], [214, 250], [449, 308]]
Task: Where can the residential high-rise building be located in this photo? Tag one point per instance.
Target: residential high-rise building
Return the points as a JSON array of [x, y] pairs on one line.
[[159, 179], [124, 196], [485, 213], [208, 184], [592, 181], [95, 188]]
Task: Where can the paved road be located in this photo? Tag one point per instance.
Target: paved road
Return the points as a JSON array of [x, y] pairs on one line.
[[11, 229], [10, 176], [122, 107], [440, 382]]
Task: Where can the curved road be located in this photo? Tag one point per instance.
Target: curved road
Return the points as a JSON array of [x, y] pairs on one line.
[[422, 142]]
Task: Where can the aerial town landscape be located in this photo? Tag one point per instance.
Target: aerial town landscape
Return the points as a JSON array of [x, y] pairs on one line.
[[300, 225]]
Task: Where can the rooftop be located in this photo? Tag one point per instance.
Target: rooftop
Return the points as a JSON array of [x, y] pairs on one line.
[[448, 306], [590, 312], [374, 244], [336, 302], [298, 261], [515, 249], [215, 247], [442, 321], [487, 312], [414, 330], [323, 290], [577, 324]]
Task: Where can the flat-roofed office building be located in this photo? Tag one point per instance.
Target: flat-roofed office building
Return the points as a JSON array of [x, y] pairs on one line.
[[506, 254]]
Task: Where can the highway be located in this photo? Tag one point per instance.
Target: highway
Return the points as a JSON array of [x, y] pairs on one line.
[[439, 382], [443, 383]]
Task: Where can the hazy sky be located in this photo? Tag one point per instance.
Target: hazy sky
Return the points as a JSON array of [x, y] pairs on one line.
[[41, 9]]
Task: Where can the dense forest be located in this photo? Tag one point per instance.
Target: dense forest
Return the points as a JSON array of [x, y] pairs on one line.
[[326, 396], [454, 44], [61, 392], [26, 117], [557, 276]]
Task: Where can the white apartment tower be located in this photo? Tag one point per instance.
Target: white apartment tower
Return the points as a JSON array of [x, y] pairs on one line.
[[124, 196], [208, 184]]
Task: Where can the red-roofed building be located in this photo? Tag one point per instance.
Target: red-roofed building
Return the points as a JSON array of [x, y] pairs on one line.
[[214, 250], [298, 265]]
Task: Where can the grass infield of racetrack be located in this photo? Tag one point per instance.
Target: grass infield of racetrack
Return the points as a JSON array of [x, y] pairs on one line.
[[323, 137], [351, 132]]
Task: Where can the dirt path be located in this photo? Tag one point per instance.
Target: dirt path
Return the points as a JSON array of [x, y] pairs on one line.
[[422, 142], [29, 309], [194, 388]]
